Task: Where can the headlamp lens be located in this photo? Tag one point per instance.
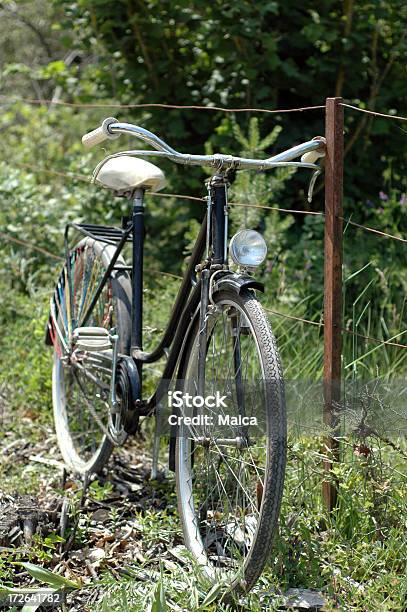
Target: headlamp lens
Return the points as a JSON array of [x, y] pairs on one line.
[[248, 248]]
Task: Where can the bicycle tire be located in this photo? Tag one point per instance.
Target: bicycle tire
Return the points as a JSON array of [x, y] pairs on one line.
[[257, 557]]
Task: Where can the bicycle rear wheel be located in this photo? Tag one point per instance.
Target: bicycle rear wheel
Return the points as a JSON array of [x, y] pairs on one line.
[[230, 477], [80, 389]]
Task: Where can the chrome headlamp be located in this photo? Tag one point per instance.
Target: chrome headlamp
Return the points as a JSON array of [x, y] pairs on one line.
[[248, 248]]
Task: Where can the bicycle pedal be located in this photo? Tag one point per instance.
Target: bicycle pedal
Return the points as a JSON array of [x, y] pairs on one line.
[[92, 339]]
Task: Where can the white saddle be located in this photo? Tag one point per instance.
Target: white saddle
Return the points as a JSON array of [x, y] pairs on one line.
[[125, 173]]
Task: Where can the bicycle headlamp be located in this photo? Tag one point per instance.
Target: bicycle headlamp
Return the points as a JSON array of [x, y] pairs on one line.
[[248, 248]]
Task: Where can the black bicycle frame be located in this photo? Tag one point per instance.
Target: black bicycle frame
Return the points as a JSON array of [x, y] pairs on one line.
[[137, 276], [185, 306]]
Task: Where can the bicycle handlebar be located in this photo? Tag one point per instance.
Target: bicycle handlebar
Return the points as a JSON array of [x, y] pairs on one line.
[[111, 129]]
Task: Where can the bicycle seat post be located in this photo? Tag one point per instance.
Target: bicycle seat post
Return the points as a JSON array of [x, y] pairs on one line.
[[137, 272]]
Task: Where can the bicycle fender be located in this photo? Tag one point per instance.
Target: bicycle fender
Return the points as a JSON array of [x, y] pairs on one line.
[[237, 282]]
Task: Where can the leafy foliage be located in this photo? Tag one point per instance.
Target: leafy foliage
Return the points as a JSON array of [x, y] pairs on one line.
[[275, 55]]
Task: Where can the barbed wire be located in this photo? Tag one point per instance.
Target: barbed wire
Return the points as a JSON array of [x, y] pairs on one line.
[[371, 339], [37, 101], [197, 199], [39, 170], [33, 247], [30, 246], [284, 210], [370, 112], [286, 316], [74, 176], [320, 324], [374, 231], [41, 102], [181, 196]]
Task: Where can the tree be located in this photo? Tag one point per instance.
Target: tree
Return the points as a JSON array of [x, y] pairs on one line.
[[271, 54]]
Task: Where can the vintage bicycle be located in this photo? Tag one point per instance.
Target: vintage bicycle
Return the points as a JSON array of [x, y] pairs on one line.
[[218, 342]]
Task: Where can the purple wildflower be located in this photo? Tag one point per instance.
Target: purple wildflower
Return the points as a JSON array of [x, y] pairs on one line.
[[403, 199], [383, 196]]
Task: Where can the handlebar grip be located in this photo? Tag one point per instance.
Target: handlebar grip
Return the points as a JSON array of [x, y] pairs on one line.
[[101, 133], [312, 156], [93, 138]]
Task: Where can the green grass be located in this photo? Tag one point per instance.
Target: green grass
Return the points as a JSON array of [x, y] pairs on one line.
[[356, 556]]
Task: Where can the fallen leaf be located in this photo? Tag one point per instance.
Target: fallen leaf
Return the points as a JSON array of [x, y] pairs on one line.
[[96, 556]]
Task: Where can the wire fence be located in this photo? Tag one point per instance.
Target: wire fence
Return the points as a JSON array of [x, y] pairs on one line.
[[332, 329], [30, 246], [319, 325], [371, 112], [329, 454], [180, 196], [223, 109], [50, 102], [78, 177]]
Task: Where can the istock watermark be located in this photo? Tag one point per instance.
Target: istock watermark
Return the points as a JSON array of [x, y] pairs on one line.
[[218, 413], [179, 399], [235, 408]]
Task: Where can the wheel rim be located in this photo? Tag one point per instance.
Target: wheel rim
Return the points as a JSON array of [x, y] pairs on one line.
[[222, 486], [81, 405]]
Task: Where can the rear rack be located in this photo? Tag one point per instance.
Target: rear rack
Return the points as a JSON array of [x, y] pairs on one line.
[[102, 233], [108, 234]]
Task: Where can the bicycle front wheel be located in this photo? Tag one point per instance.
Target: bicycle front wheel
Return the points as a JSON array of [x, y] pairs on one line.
[[230, 461]]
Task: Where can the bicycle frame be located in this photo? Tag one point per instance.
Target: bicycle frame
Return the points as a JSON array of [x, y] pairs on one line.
[[215, 227], [212, 237]]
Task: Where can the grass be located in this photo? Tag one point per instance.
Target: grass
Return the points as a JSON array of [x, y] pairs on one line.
[[356, 556]]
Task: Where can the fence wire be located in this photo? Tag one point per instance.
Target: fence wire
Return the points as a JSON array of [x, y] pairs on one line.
[[180, 196], [36, 101], [50, 102], [320, 324], [78, 177], [370, 112]]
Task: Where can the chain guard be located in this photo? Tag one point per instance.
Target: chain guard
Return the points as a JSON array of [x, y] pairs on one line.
[[128, 393]]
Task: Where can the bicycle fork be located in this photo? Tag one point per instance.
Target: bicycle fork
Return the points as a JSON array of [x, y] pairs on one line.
[[217, 258]]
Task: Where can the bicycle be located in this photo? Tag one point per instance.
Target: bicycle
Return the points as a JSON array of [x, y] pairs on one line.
[[229, 478]]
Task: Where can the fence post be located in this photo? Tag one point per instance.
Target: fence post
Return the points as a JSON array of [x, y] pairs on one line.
[[332, 283]]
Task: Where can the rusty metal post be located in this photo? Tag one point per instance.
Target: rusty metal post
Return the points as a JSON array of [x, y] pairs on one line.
[[332, 283]]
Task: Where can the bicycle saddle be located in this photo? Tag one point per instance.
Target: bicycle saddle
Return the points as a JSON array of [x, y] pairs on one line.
[[125, 173]]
